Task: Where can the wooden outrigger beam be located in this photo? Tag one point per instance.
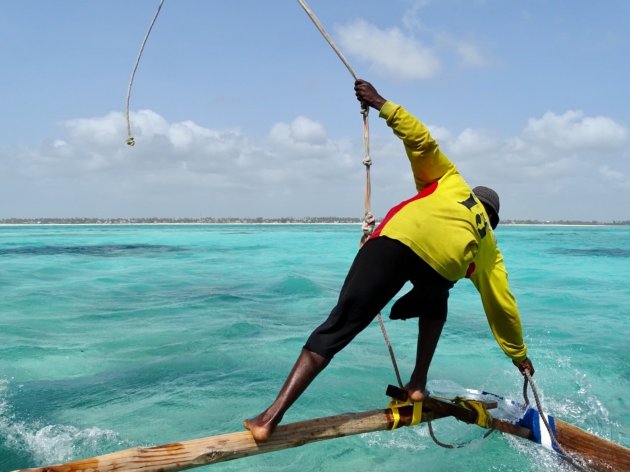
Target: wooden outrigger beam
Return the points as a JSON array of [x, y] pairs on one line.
[[600, 454]]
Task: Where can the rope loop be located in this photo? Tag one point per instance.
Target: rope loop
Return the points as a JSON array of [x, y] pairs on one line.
[[458, 445]]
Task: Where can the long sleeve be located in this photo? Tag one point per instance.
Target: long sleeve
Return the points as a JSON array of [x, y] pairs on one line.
[[491, 280], [428, 163]]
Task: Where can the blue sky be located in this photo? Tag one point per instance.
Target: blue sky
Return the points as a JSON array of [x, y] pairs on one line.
[[241, 108]]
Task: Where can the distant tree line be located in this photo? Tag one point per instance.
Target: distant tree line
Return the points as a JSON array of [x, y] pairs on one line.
[[158, 220], [567, 222], [257, 220]]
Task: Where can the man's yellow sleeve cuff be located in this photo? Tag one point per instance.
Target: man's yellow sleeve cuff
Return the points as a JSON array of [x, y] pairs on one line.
[[387, 109]]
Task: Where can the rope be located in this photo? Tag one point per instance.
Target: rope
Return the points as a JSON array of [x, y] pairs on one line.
[[327, 36], [390, 349], [130, 140], [458, 445], [484, 419], [369, 220], [368, 228], [578, 463]]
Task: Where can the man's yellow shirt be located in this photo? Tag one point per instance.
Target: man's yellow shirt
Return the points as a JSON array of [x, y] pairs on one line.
[[448, 228]]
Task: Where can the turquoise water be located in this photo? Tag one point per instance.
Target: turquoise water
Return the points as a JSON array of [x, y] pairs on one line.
[[118, 336]]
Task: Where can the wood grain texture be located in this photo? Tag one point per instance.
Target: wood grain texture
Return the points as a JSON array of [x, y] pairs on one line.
[[600, 454]]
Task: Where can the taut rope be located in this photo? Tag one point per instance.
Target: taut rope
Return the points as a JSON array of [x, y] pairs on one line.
[[578, 463], [368, 228], [368, 221], [321, 29], [130, 139]]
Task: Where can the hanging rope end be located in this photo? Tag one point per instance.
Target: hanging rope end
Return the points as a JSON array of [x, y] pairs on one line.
[[131, 141]]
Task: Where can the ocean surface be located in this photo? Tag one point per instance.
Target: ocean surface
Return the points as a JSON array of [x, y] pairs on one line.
[[119, 336]]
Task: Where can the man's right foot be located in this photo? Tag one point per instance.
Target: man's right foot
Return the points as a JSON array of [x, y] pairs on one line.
[[414, 394]]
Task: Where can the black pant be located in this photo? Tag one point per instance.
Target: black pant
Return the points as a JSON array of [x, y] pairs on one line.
[[380, 269]]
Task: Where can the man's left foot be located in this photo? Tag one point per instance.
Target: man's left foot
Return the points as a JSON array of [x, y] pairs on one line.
[[260, 427]]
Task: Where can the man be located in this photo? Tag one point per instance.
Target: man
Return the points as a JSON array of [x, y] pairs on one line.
[[440, 235]]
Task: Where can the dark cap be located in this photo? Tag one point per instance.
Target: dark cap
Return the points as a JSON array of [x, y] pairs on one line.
[[489, 197]]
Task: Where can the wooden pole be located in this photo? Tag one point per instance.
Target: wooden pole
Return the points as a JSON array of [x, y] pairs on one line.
[[211, 450], [601, 455]]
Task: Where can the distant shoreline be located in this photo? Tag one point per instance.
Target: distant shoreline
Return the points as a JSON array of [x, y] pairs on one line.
[[254, 221]]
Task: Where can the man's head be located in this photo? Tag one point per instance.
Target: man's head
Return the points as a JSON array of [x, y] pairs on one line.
[[490, 200]]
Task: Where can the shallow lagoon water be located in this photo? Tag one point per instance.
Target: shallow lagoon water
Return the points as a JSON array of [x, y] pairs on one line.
[[118, 336]]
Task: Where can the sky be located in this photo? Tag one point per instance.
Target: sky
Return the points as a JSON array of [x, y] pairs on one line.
[[242, 109]]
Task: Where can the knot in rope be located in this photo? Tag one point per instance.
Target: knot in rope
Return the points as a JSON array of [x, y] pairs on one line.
[[369, 222], [367, 162], [484, 418]]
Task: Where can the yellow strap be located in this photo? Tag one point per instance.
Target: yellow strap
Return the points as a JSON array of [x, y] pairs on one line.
[[416, 416], [484, 419], [395, 414]]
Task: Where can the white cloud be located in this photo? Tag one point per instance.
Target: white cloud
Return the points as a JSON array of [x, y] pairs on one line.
[[574, 130], [548, 147], [608, 173], [300, 130], [399, 53], [184, 169], [562, 166], [470, 54], [471, 142], [411, 18], [615, 178], [103, 130], [389, 51], [187, 135], [467, 51]]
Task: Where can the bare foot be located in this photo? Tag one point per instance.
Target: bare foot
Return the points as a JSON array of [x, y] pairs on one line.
[[414, 394], [260, 428]]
